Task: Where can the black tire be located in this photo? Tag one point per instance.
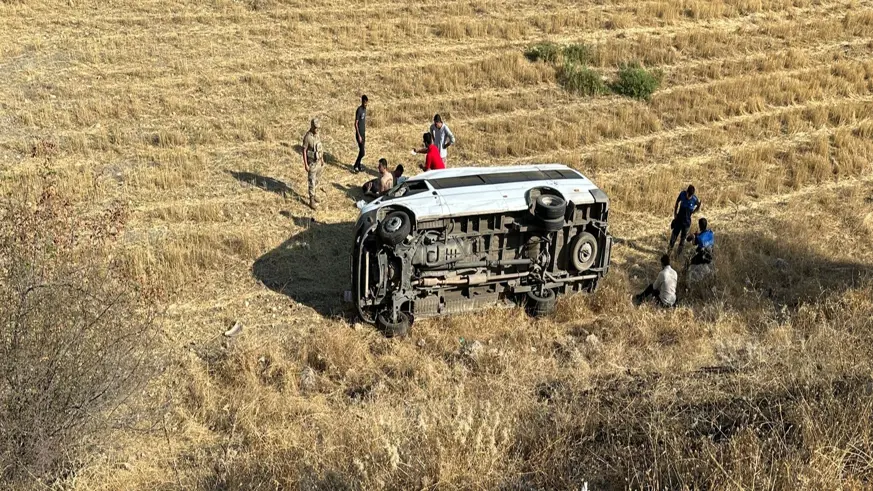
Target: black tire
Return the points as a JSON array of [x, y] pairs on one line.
[[391, 328], [394, 228], [583, 251], [549, 207], [540, 304], [550, 225]]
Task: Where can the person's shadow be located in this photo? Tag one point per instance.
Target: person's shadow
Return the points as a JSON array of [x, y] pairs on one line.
[[267, 184], [354, 193], [312, 266]]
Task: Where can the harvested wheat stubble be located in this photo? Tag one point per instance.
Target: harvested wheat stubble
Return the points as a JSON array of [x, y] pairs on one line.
[[188, 114]]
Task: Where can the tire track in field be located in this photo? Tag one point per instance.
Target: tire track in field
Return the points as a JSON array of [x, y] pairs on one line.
[[642, 224], [590, 150], [559, 106], [614, 101], [347, 57], [778, 143]]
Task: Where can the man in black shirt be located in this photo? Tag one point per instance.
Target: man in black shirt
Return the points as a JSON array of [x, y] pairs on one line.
[[361, 132]]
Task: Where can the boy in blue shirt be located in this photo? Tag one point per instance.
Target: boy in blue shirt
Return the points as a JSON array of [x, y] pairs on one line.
[[686, 205], [704, 240]]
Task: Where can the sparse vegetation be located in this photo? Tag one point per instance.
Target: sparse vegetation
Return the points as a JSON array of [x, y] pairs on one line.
[[190, 120], [76, 342], [579, 54], [635, 81], [545, 51], [632, 80], [581, 80]]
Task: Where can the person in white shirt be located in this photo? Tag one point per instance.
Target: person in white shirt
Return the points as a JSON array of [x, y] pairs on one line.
[[443, 137], [664, 287]]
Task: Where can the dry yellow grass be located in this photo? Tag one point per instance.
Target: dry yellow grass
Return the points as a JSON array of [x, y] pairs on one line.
[[189, 113]]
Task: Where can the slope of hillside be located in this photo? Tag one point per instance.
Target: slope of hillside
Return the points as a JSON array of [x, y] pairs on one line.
[[190, 114]]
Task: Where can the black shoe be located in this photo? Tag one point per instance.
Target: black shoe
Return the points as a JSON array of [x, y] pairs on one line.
[[355, 170]]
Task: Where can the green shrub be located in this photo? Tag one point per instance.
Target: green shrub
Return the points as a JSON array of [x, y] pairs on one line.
[[544, 51], [637, 82], [577, 53], [581, 80]]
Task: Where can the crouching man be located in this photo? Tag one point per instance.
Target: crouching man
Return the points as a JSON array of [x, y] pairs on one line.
[[700, 267], [663, 290], [704, 240]]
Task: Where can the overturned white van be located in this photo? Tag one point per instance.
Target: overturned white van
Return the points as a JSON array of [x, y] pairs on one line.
[[457, 240]]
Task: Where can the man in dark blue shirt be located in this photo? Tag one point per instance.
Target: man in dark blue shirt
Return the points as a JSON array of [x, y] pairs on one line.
[[686, 204]]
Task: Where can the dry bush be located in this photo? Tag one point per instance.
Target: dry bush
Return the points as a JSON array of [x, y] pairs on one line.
[[76, 343]]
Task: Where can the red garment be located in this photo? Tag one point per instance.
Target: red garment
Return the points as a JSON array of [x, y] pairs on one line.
[[433, 161]]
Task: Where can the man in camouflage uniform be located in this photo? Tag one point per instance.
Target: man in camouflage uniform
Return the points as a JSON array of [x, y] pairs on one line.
[[313, 160]]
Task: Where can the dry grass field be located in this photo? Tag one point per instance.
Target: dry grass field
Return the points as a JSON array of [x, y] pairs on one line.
[[187, 114]]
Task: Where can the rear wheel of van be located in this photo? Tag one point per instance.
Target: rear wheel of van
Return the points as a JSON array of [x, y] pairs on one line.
[[540, 303], [392, 328]]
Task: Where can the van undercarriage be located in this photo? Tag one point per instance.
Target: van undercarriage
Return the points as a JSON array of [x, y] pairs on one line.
[[403, 270]]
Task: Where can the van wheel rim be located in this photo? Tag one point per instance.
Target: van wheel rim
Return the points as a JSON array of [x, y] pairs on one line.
[[393, 224], [585, 252], [550, 201]]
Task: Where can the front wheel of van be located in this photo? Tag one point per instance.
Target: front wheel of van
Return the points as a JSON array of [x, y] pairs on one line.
[[394, 228]]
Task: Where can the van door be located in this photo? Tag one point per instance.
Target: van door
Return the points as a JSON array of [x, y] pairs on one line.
[[421, 198]]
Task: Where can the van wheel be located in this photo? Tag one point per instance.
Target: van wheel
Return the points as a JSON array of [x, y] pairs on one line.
[[394, 228], [549, 207], [550, 225], [540, 304], [583, 251], [393, 328]]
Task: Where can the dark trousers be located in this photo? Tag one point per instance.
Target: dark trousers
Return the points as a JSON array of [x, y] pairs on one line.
[[650, 292], [680, 231], [701, 257], [360, 153]]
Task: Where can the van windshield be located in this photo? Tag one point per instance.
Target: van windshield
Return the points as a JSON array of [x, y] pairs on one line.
[[406, 188]]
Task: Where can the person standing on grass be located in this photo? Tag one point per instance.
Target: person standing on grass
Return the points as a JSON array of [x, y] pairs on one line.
[[432, 159], [361, 133], [686, 205], [313, 160], [663, 290], [443, 137]]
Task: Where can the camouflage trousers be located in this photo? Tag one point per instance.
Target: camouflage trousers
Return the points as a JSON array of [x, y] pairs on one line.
[[314, 179]]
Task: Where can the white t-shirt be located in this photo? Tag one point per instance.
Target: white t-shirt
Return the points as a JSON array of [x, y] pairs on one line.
[[666, 285], [441, 136]]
